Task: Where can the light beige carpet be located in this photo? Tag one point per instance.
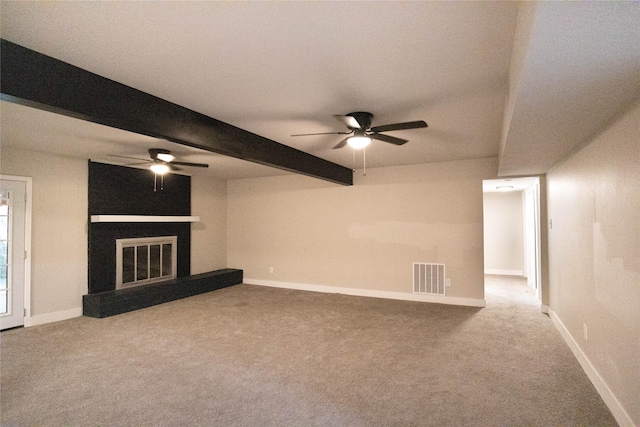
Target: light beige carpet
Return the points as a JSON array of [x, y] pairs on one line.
[[256, 356]]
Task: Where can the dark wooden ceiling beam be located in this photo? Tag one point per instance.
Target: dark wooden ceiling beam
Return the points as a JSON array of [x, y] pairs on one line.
[[33, 79]]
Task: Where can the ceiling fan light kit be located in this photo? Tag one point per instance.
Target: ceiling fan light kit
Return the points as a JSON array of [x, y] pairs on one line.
[[359, 141], [159, 167]]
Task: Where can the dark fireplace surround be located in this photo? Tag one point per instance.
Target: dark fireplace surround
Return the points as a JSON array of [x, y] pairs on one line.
[[119, 190]]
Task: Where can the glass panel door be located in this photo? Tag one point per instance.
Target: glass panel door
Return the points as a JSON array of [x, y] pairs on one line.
[[12, 252], [154, 261], [166, 260], [142, 268], [5, 295], [128, 265]]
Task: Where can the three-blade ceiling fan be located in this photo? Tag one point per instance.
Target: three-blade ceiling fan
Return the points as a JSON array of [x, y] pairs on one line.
[[361, 133]]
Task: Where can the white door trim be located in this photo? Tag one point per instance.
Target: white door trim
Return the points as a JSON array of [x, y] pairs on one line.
[[533, 259], [27, 241]]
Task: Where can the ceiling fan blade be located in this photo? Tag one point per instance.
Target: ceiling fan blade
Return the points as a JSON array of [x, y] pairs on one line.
[[173, 168], [389, 139], [400, 126], [130, 158], [349, 121], [137, 164], [194, 165], [322, 133], [341, 143]]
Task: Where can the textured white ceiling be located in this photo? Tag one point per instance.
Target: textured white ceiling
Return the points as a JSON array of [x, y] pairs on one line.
[[282, 68]]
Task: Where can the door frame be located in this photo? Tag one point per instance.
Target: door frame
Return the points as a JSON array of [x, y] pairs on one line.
[[28, 181], [535, 183], [532, 248]]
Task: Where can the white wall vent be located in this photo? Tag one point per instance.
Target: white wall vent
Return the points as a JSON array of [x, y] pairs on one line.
[[428, 278]]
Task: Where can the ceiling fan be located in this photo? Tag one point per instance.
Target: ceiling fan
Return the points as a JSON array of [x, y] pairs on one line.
[[162, 161], [361, 133]]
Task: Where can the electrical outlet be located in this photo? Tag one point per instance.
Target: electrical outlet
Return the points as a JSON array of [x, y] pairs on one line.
[[270, 269], [447, 282]]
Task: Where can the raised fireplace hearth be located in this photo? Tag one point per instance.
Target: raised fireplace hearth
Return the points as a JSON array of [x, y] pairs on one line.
[[110, 303]]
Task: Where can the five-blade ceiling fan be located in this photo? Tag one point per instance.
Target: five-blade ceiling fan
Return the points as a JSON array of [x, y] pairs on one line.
[[361, 133], [162, 161]]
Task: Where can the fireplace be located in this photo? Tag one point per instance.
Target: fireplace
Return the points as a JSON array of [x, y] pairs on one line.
[[145, 260], [134, 236], [123, 206]]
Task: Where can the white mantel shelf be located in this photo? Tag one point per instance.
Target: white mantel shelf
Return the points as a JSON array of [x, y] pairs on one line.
[[143, 218]]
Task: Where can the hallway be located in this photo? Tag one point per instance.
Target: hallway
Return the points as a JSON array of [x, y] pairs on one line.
[[509, 290]]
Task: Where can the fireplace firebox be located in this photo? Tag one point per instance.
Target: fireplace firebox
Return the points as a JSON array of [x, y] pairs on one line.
[[145, 260]]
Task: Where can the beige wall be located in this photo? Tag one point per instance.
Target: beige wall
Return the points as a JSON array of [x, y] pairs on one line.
[[365, 236], [209, 235], [594, 254], [503, 233], [59, 227]]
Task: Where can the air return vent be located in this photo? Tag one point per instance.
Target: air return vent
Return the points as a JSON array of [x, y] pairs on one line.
[[428, 278]]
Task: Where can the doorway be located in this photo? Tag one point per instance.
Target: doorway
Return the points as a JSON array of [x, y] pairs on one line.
[[512, 229], [15, 260]]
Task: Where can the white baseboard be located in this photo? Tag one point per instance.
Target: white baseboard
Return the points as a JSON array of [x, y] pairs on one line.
[[544, 308], [56, 316], [504, 272], [470, 302], [614, 405]]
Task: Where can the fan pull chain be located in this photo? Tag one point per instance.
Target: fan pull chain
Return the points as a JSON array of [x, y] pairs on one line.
[[364, 160], [354, 160], [155, 182]]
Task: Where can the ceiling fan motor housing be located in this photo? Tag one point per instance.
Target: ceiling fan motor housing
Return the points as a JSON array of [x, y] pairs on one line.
[[153, 152], [363, 118]]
